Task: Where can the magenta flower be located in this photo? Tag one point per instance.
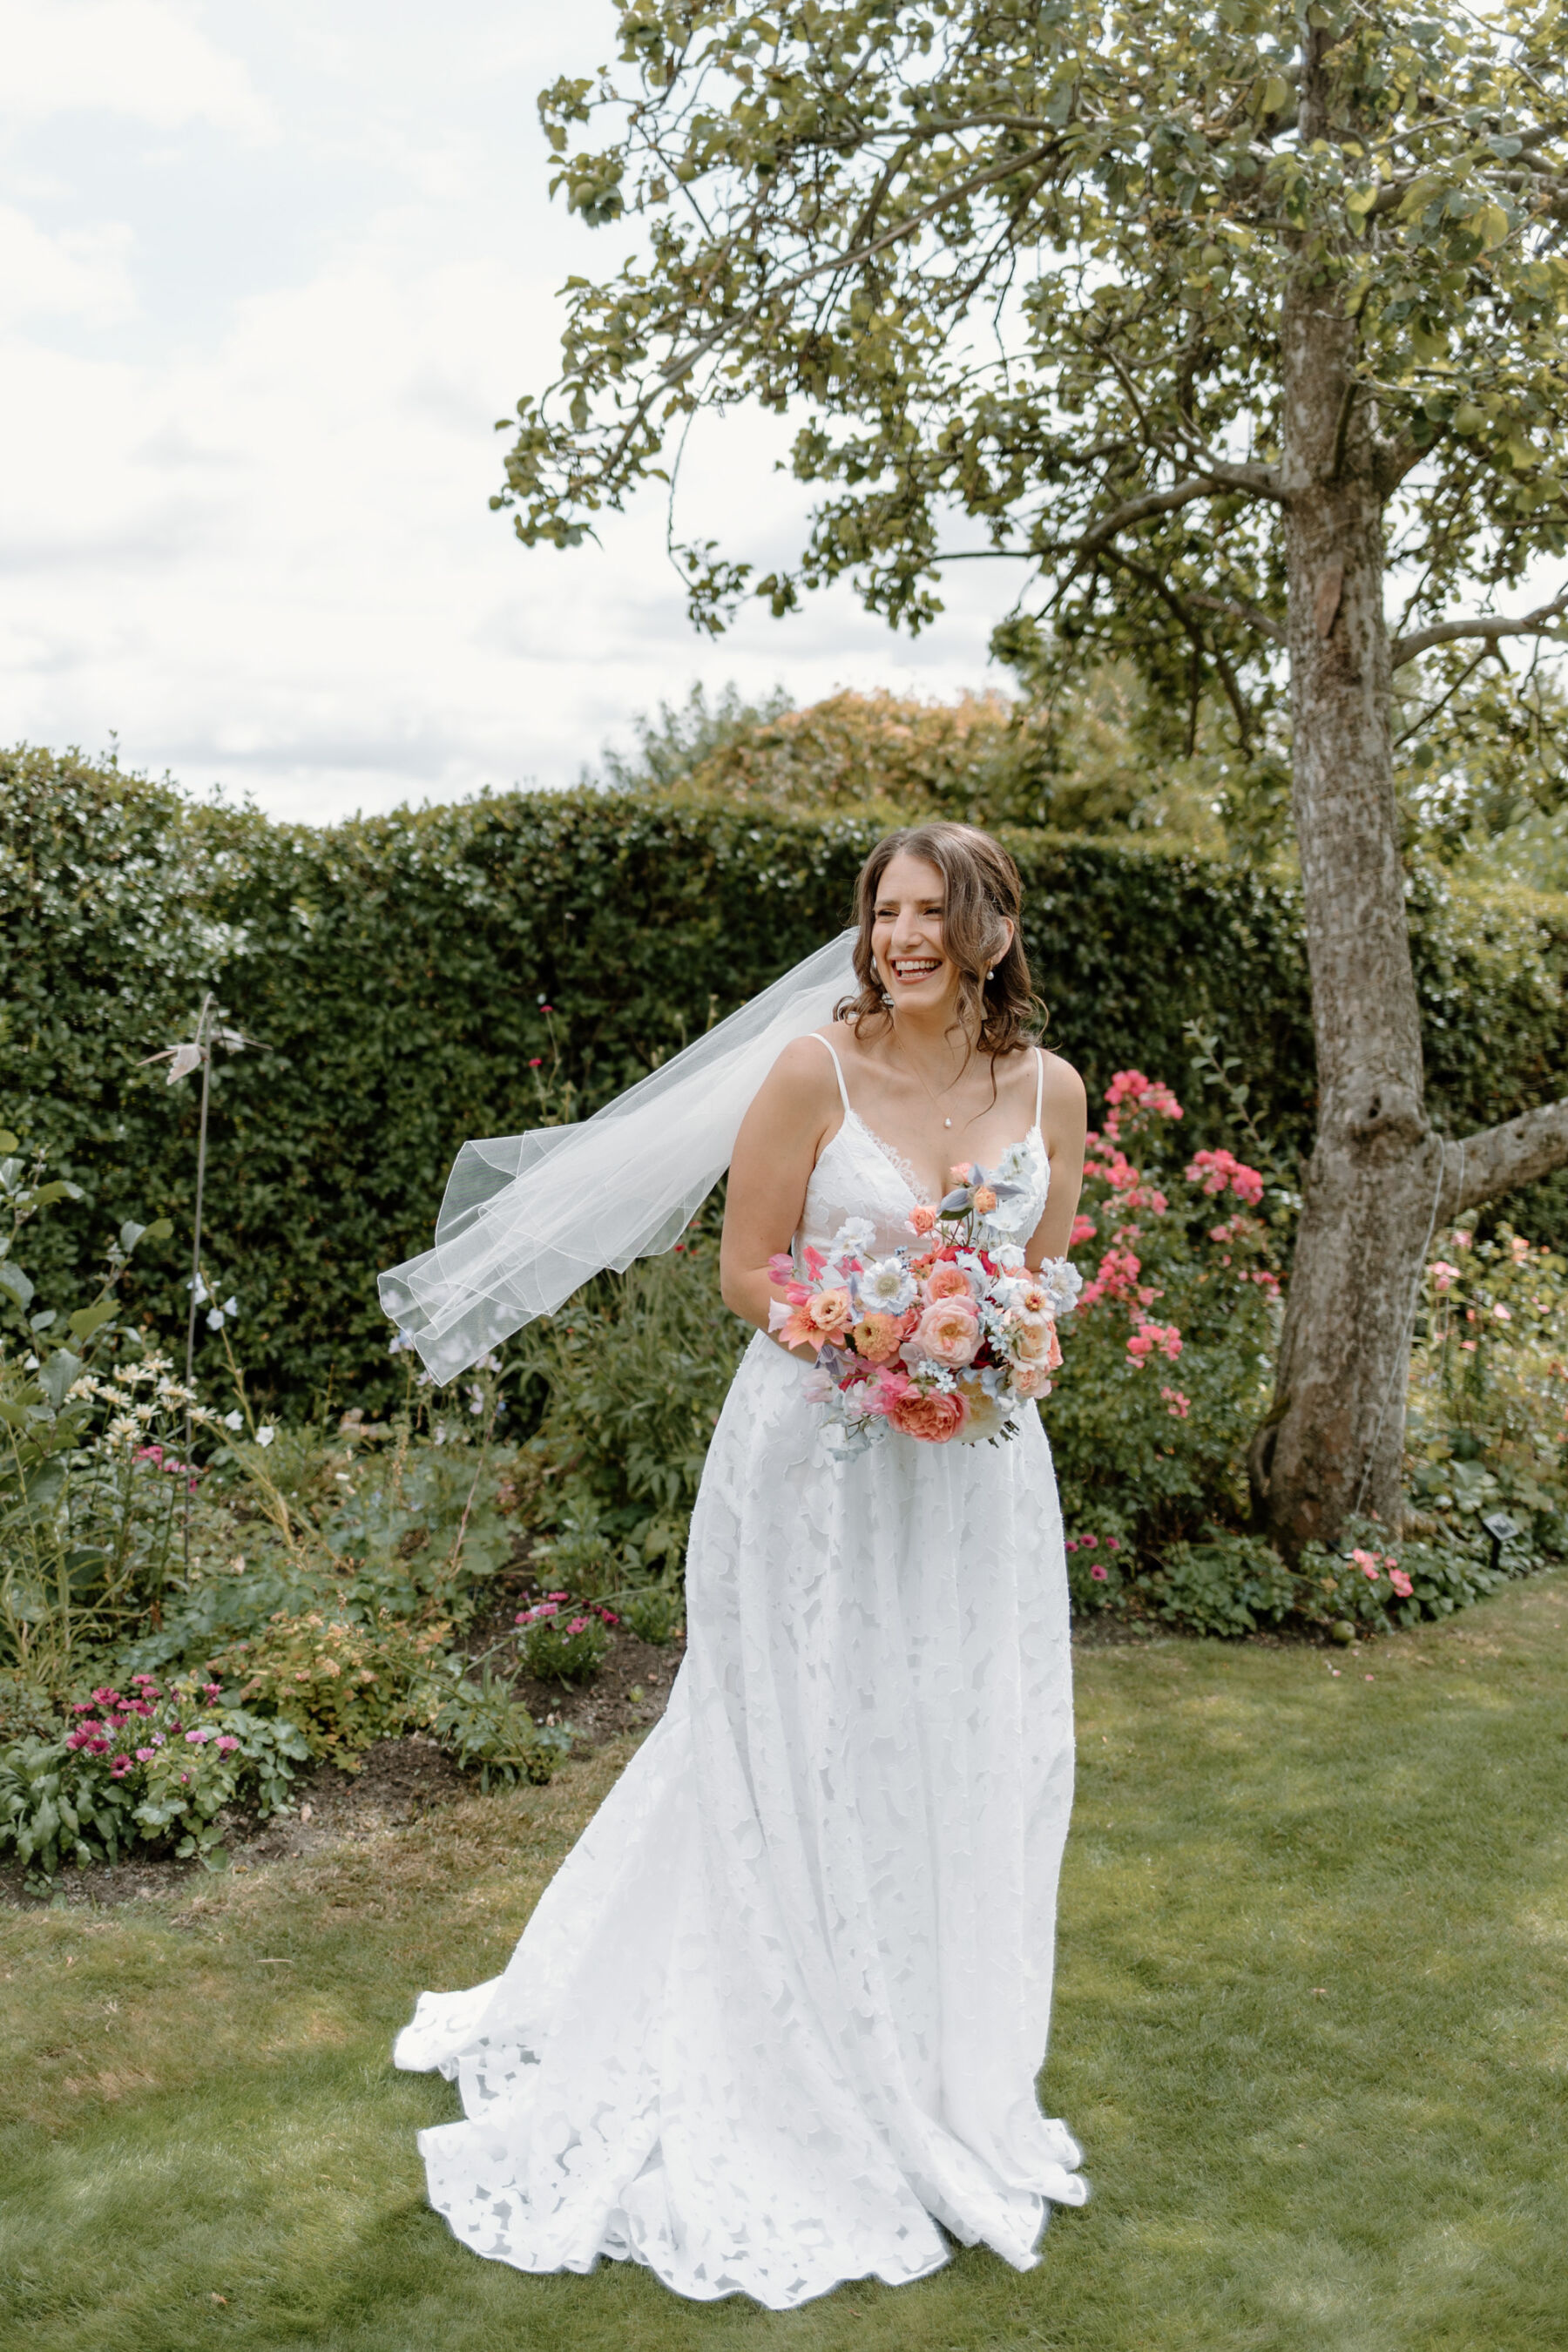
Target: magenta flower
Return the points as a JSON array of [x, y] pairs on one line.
[[1100, 1573], [227, 1741], [145, 1755], [578, 1625], [118, 1769]]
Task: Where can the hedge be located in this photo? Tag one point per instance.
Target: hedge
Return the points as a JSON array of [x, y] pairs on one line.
[[394, 968]]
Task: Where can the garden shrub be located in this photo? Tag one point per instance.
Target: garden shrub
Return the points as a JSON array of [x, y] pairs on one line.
[[151, 1764], [343, 1682], [396, 969]]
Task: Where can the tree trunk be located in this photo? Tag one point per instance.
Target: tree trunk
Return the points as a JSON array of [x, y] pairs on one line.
[[1334, 1439]]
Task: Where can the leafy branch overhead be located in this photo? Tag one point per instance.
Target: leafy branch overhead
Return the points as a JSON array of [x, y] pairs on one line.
[[1023, 269]]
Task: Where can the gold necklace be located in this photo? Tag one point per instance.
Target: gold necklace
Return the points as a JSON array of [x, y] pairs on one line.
[[931, 1099]]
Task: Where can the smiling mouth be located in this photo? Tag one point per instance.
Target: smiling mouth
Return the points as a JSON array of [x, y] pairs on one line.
[[910, 969]]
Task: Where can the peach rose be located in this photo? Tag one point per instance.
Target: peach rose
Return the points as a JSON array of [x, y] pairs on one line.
[[932, 1419], [948, 1281], [984, 1199], [1031, 1381], [1033, 1338], [921, 1220], [829, 1313], [878, 1337], [949, 1331]]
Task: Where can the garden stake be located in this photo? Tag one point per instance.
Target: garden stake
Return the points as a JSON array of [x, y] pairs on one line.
[[204, 1045], [181, 1060]]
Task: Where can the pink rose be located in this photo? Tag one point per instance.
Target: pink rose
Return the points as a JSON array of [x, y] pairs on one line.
[[949, 1331], [947, 1281], [934, 1419]]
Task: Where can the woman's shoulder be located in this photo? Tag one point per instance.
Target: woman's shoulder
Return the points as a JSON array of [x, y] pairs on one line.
[[803, 1070]]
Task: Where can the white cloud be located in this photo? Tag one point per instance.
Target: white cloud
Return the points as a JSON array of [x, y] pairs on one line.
[[145, 58], [76, 273], [253, 537]]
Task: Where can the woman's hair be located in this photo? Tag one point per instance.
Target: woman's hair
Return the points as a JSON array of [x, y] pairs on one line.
[[983, 891]]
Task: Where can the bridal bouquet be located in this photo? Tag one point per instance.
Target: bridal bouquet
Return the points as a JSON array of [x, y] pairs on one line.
[[944, 1338]]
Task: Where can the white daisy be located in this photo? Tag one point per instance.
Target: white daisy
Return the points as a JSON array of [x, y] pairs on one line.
[[886, 1286]]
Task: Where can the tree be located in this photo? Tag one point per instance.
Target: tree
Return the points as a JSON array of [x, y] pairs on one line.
[[1220, 323]]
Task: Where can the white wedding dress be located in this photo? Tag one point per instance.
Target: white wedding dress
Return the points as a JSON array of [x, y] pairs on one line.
[[777, 2019]]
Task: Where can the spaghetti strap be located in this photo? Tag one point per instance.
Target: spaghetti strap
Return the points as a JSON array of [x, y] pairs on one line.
[[839, 1069], [1039, 1079]]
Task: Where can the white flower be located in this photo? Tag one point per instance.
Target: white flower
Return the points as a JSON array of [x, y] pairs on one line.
[[266, 1434], [886, 1286], [854, 1236], [235, 1420], [1061, 1282], [1009, 1258]]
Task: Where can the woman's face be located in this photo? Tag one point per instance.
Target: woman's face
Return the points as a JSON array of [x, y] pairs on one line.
[[906, 936]]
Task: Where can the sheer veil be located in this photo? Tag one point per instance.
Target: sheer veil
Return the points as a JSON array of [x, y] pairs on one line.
[[528, 1218]]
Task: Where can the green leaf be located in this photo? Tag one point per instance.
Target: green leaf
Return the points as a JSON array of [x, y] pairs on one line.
[[130, 1233], [158, 1231], [1490, 225], [13, 1283], [7, 1140], [57, 1375], [58, 1190], [89, 1320]]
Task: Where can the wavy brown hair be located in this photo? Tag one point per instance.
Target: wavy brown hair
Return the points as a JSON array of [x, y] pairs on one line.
[[983, 890]]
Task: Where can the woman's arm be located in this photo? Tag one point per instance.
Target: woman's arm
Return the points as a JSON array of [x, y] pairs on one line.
[[775, 1151], [1064, 1122]]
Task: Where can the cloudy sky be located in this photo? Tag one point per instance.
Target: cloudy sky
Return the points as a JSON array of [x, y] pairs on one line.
[[267, 276]]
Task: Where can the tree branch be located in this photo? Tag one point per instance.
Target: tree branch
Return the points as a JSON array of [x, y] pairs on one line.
[[1479, 624], [1233, 611], [1500, 1157]]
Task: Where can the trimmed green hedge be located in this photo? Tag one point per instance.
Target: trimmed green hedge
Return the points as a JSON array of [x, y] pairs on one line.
[[394, 967]]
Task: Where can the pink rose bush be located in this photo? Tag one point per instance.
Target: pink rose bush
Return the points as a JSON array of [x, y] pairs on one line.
[[948, 1338], [1171, 1365]]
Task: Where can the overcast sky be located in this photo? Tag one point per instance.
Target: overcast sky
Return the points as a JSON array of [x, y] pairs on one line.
[[267, 276]]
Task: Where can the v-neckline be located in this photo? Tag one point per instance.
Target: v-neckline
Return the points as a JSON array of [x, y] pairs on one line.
[[904, 1169]]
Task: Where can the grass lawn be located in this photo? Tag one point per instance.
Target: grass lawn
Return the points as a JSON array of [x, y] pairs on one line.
[[1311, 2030]]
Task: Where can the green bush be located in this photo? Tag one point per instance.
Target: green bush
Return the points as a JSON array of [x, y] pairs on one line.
[[151, 1764], [396, 968]]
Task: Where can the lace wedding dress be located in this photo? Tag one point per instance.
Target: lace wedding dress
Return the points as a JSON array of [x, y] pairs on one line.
[[777, 2019]]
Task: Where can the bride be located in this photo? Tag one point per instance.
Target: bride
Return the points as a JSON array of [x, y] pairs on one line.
[[777, 2021]]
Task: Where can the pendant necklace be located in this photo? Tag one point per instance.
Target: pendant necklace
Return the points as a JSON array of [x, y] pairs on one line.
[[930, 1097]]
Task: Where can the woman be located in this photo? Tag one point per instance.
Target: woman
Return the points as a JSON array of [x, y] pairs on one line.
[[776, 2021]]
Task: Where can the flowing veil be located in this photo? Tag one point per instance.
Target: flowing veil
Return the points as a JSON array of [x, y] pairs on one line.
[[528, 1218]]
